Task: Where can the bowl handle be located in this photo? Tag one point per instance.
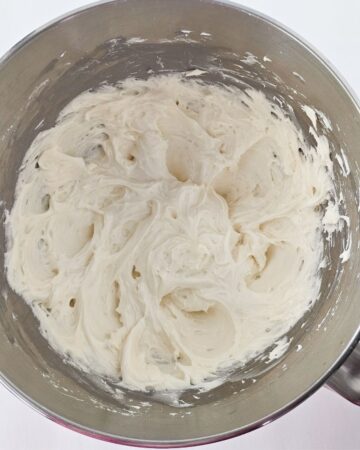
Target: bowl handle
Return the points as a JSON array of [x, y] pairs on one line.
[[346, 380]]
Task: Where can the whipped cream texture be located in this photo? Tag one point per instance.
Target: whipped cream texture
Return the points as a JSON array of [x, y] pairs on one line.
[[165, 230]]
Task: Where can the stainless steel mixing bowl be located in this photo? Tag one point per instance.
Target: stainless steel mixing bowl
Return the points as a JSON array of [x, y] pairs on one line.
[[41, 74]]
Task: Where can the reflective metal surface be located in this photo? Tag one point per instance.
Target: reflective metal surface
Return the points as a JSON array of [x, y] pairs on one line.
[[80, 51], [346, 380]]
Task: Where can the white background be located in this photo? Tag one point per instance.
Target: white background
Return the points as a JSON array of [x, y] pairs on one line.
[[323, 422]]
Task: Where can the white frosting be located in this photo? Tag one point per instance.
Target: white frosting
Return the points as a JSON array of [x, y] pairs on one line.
[[166, 229]]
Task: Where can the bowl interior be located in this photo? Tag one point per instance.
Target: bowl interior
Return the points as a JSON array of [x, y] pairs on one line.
[[92, 46]]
